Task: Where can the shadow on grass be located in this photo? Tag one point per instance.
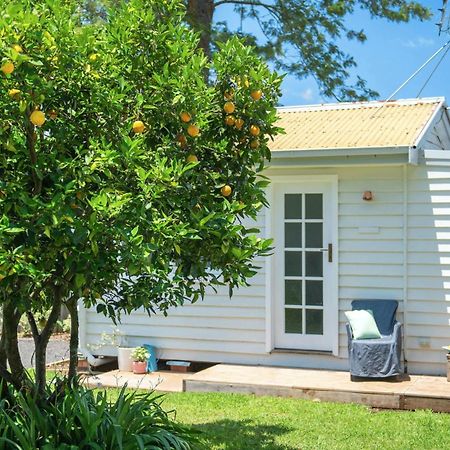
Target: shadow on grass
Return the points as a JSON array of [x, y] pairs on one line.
[[243, 435]]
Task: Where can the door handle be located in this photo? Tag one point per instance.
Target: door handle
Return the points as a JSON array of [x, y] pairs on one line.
[[330, 252]]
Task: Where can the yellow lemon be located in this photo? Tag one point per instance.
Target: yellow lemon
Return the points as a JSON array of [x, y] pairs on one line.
[[254, 130], [193, 130], [185, 117], [192, 159], [226, 190], [14, 93], [37, 118], [17, 48], [93, 57], [256, 95], [7, 68], [239, 123], [138, 126], [254, 144], [230, 120], [229, 107]]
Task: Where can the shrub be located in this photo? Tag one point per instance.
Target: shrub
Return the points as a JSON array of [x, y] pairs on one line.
[[79, 418]]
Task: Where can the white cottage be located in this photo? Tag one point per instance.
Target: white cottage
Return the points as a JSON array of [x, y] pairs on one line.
[[360, 209]]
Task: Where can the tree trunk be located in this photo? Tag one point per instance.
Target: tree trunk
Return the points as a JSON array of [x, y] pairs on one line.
[[41, 342], [200, 15], [11, 318], [74, 325]]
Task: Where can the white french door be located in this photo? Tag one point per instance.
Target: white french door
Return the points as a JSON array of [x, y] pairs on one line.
[[305, 280]]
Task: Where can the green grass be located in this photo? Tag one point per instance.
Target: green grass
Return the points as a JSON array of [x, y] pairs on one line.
[[232, 421]]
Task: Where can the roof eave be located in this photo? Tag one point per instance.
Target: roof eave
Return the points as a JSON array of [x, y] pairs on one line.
[[344, 152]]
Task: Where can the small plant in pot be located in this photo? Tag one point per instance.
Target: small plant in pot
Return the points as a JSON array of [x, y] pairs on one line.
[[140, 356]]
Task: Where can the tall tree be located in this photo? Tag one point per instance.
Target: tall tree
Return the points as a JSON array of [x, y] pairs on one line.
[[303, 37], [124, 176]]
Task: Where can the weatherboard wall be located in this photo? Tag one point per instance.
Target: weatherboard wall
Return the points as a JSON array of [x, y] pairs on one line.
[[371, 265]]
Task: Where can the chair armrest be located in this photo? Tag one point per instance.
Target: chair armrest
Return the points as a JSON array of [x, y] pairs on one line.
[[349, 332], [397, 331]]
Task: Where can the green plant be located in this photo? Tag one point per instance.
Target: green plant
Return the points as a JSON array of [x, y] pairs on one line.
[[79, 418], [140, 354]]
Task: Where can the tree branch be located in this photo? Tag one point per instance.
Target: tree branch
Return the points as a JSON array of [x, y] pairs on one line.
[[31, 146], [33, 327]]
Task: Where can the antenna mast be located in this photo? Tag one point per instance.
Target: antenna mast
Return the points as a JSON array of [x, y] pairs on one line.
[[444, 22]]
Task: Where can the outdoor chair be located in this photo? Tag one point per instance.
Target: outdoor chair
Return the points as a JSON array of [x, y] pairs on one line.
[[376, 358]]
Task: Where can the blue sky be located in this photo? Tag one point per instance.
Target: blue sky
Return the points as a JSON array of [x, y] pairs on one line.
[[390, 55]]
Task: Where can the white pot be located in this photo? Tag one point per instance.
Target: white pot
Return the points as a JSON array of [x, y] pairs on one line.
[[124, 359]]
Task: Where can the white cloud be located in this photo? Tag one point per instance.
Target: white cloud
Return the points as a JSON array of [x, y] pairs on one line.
[[307, 94], [418, 42]]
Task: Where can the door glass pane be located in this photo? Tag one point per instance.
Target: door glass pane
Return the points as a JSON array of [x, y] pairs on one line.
[[313, 235], [314, 292], [314, 264], [292, 320], [313, 206], [293, 206], [292, 292], [293, 235], [293, 264], [314, 321]]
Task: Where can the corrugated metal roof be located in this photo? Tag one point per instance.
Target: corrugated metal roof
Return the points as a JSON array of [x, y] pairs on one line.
[[354, 125]]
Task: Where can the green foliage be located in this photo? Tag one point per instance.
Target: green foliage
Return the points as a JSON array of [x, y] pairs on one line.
[[79, 418], [120, 218], [140, 354]]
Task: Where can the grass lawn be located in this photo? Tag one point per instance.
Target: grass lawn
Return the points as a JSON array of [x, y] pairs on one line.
[[232, 421]]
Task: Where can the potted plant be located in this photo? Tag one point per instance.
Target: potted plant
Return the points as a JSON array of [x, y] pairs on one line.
[[140, 356]]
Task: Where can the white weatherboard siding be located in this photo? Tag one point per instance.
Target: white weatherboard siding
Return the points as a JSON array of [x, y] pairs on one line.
[[371, 266], [428, 266]]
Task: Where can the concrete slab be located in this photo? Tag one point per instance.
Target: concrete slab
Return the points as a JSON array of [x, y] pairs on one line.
[[158, 381], [407, 392]]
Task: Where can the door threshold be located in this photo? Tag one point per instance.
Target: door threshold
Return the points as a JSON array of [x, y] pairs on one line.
[[302, 351]]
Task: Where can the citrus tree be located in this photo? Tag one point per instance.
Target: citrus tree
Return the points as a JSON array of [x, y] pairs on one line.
[[124, 174]]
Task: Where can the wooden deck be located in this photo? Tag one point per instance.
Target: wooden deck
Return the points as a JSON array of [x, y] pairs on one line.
[[409, 392]]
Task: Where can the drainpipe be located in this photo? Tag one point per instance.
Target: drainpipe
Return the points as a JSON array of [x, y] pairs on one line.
[[405, 264], [92, 360]]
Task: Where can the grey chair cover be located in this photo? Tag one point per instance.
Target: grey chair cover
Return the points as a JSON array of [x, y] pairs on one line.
[[377, 358]]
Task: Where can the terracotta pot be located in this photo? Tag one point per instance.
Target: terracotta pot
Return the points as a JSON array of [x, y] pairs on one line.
[[139, 367]]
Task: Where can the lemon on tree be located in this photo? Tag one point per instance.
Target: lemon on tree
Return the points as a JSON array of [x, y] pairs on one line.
[[255, 130], [226, 190], [254, 144], [37, 118], [185, 117], [239, 123], [138, 126], [193, 130], [256, 95], [7, 68], [230, 120], [17, 48], [229, 107]]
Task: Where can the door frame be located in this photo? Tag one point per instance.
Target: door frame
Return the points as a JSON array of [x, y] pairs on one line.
[[271, 224]]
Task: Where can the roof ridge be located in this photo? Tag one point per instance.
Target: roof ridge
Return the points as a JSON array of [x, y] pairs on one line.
[[361, 105]]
